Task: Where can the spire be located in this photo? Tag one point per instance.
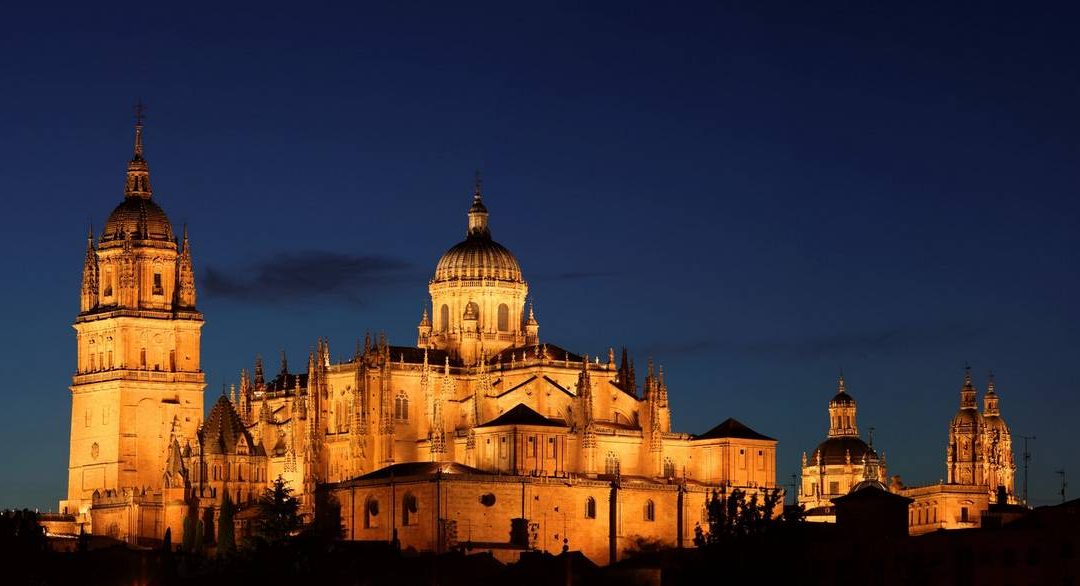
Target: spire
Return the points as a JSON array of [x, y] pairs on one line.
[[185, 290], [90, 275], [478, 214], [990, 400], [284, 364], [138, 172], [967, 392], [260, 382], [841, 387]]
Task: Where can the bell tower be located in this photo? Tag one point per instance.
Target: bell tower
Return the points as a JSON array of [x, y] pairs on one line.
[[138, 383]]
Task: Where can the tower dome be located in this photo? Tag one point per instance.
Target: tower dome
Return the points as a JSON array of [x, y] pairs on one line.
[[478, 257], [142, 219], [138, 216]]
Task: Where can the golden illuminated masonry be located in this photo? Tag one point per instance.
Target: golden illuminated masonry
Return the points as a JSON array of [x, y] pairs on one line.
[[482, 431], [481, 435]]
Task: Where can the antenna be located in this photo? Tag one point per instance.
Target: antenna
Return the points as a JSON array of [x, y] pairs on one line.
[[1027, 460], [1064, 484]]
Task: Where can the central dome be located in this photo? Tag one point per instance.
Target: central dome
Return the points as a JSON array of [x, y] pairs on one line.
[[478, 257]]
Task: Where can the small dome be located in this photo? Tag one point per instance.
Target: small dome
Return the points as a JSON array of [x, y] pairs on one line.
[[141, 218], [966, 418], [868, 483], [842, 398], [835, 450], [478, 257], [994, 422]]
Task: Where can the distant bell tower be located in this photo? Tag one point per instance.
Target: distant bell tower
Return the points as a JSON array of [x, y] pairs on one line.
[[965, 456], [137, 383]]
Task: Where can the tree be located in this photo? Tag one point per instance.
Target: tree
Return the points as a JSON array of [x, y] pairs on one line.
[[166, 544], [735, 515], [21, 533], [226, 537], [278, 514], [208, 525], [327, 522]]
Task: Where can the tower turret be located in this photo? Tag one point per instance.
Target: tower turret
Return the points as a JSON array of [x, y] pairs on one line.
[[89, 299], [842, 412]]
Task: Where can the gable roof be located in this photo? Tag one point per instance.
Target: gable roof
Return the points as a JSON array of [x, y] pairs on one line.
[[732, 427], [521, 414]]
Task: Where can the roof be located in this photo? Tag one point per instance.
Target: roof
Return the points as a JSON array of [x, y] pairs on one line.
[[547, 350], [224, 430], [142, 219], [835, 450], [419, 469], [871, 493], [521, 414], [732, 428], [478, 257], [842, 398]]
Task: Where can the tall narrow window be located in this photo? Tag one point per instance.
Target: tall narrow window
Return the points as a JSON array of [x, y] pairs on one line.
[[158, 289], [444, 318], [650, 510], [611, 465], [590, 508], [110, 359], [142, 357], [669, 468], [408, 509], [172, 360], [401, 407], [371, 513], [504, 317], [107, 292]]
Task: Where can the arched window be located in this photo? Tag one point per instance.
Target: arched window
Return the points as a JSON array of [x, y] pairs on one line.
[[650, 510], [371, 513], [504, 318], [444, 318], [408, 509], [590, 508], [669, 468], [401, 407]]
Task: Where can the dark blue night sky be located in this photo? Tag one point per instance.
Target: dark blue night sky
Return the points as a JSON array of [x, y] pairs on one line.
[[755, 197]]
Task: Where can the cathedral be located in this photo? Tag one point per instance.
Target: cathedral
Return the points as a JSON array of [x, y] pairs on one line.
[[482, 436]]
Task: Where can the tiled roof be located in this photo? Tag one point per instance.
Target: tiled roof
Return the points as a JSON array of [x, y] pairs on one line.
[[732, 428], [521, 414]]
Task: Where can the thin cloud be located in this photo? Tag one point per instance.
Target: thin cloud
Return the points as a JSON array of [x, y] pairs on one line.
[[862, 343], [288, 276]]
